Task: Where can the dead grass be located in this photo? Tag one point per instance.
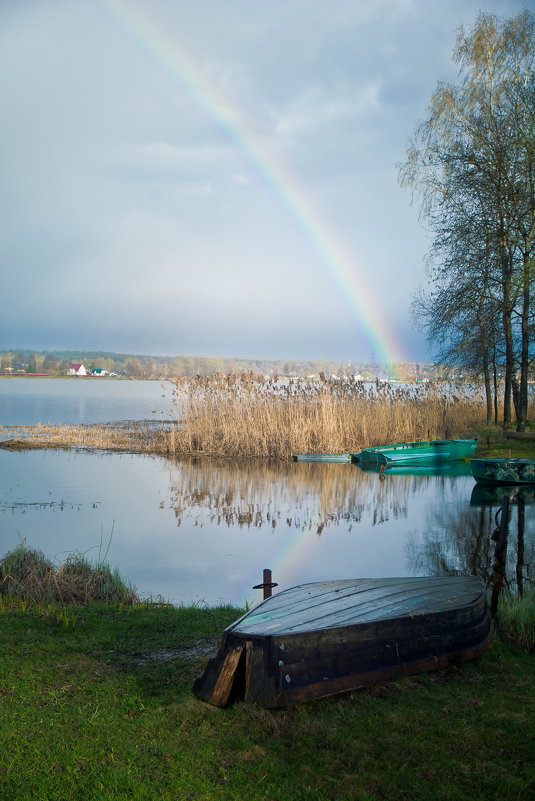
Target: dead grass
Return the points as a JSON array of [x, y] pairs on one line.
[[27, 574], [245, 415], [132, 437]]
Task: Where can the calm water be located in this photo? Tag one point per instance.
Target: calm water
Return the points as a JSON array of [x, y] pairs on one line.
[[30, 401], [204, 531]]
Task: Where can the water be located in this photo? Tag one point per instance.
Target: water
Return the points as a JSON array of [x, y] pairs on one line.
[[203, 531], [30, 401]]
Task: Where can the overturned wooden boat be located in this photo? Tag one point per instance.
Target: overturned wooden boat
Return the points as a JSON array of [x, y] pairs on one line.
[[322, 457], [436, 451], [328, 637], [503, 471]]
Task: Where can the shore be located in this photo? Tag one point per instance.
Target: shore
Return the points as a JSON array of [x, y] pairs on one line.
[[96, 703]]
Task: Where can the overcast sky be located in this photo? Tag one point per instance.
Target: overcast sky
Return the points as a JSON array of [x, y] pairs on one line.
[[216, 177]]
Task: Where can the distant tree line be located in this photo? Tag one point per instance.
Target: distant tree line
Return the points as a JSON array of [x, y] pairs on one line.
[[472, 165], [162, 367]]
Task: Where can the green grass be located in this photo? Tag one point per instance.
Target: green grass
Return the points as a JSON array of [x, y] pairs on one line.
[[492, 444], [85, 714], [516, 619]]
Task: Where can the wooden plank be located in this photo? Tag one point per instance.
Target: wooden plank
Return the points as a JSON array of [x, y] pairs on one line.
[[382, 655], [298, 695], [358, 602], [293, 647], [260, 682], [223, 686], [310, 595]]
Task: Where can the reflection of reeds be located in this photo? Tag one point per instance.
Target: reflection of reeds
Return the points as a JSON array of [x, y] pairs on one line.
[[247, 415], [275, 493]]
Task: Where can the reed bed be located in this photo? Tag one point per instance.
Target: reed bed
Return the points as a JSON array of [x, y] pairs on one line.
[[247, 415], [142, 437], [28, 575]]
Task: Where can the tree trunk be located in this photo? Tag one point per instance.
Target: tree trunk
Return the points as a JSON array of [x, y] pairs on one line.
[[524, 354], [508, 337]]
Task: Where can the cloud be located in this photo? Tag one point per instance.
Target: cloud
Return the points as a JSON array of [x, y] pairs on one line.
[[141, 204], [320, 108]]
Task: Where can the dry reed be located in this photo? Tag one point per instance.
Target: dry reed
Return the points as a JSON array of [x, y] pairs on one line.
[[27, 574], [132, 437], [248, 415]]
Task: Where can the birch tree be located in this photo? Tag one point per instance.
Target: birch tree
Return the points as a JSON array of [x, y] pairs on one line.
[[471, 165]]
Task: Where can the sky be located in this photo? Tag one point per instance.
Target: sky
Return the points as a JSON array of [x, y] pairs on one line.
[[217, 177]]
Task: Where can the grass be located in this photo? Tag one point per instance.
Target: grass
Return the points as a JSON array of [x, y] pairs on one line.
[[27, 574], [102, 708], [516, 619]]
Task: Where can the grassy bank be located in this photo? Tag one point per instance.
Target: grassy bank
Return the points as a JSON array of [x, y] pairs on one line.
[[97, 704], [247, 416]]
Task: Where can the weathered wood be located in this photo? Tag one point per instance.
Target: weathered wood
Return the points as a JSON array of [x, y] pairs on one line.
[[322, 689], [325, 605], [327, 637], [223, 686]]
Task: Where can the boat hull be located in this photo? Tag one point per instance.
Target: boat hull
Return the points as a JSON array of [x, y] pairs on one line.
[[322, 457], [325, 638], [434, 452], [503, 471]]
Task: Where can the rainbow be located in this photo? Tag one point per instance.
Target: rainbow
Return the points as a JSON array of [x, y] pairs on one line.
[[320, 233]]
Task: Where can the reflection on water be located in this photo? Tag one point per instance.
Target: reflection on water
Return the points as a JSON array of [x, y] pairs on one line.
[[302, 496], [204, 530]]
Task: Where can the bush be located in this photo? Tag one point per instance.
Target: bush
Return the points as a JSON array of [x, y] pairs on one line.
[[27, 574]]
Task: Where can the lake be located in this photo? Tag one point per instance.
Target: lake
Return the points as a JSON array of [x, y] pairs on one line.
[[203, 530], [31, 401]]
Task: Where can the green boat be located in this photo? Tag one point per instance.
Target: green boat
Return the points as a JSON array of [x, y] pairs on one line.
[[434, 452], [322, 457], [503, 471], [444, 469]]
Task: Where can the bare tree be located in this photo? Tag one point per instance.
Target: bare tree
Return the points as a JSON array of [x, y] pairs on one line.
[[471, 164]]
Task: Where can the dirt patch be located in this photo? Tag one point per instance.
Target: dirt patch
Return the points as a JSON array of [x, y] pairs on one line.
[[201, 648]]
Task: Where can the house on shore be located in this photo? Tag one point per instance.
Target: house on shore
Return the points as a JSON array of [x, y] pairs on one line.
[[77, 369]]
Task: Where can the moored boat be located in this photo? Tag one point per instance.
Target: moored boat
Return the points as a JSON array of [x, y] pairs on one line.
[[328, 637], [503, 471], [322, 457], [434, 451], [444, 469]]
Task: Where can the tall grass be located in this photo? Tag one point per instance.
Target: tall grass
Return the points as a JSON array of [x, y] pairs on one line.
[[249, 415], [516, 619], [27, 574]]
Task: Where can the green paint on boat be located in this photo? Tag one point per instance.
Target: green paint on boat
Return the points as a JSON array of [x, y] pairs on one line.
[[433, 452], [503, 471]]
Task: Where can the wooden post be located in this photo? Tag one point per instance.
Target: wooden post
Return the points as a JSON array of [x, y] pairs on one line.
[[267, 584]]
